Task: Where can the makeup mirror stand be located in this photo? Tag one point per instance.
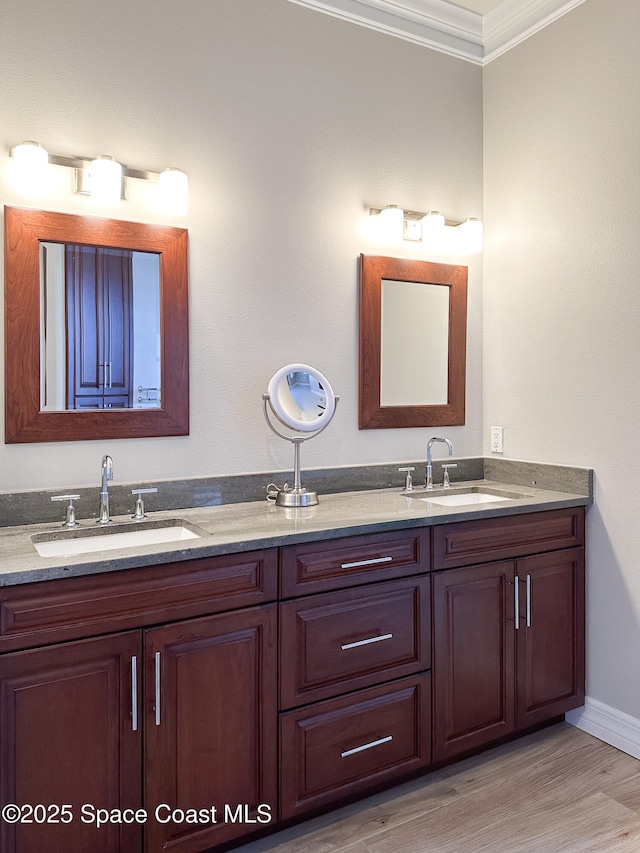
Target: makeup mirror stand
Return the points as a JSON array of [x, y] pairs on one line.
[[298, 496]]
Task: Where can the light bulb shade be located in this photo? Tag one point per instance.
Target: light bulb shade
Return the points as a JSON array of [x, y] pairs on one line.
[[174, 192], [432, 226], [31, 161], [471, 231], [105, 181], [391, 223]]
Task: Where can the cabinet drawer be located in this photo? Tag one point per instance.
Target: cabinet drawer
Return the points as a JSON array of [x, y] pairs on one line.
[[336, 748], [506, 536], [58, 610], [338, 563], [337, 642]]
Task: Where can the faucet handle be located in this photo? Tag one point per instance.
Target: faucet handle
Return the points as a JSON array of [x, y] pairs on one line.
[[408, 486], [140, 514], [71, 510], [445, 468]]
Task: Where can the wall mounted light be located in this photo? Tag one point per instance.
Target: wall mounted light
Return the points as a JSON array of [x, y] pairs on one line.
[[31, 161], [472, 233], [390, 223], [431, 229], [103, 178], [105, 181], [174, 191]]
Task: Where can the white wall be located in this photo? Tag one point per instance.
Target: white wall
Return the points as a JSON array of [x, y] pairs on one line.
[[562, 294], [290, 124]]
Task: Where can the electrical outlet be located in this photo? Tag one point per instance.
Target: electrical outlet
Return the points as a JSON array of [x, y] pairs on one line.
[[497, 439]]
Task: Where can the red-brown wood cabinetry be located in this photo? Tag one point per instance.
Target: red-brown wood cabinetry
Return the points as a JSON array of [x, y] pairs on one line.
[[69, 740], [274, 683], [508, 635], [177, 716]]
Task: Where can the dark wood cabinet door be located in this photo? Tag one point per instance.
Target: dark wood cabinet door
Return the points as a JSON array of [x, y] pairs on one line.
[[550, 636], [68, 738], [211, 741], [473, 657]]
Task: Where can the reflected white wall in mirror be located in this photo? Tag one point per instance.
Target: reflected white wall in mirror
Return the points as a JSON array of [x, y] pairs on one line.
[[100, 347], [414, 343]]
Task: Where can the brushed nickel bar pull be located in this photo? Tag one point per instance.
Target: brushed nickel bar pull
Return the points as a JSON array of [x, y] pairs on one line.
[[528, 601], [517, 602], [157, 689], [366, 746], [134, 693], [379, 639], [366, 562]]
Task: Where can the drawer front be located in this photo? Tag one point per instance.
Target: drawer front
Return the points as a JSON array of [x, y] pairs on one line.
[[58, 610], [334, 749], [339, 642], [506, 536], [338, 563]]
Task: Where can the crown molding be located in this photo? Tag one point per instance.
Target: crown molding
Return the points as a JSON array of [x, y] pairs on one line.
[[442, 25], [431, 23], [513, 21]]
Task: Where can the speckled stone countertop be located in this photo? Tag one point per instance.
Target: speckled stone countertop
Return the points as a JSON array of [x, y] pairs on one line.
[[232, 528]]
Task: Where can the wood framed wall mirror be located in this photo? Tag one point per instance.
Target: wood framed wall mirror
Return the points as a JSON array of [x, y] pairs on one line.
[[413, 333], [96, 328]]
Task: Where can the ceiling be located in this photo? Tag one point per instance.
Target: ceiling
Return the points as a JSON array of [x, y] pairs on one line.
[[475, 30]]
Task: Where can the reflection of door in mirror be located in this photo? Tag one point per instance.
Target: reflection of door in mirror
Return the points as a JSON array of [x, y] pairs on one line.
[[100, 310]]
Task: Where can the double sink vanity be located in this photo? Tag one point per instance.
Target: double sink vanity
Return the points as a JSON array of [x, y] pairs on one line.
[[225, 669]]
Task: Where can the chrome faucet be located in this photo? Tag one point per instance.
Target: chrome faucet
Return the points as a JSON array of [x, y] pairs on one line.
[[107, 474], [429, 483]]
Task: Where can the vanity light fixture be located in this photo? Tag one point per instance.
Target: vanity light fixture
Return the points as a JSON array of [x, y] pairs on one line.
[[174, 192], [432, 229], [103, 178], [31, 161], [391, 223], [105, 181], [433, 225], [472, 232]]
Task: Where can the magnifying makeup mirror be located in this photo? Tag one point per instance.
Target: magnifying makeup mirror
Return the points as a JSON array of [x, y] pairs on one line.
[[301, 399]]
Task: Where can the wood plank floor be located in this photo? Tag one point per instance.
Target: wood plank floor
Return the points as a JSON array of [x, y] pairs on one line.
[[556, 791]]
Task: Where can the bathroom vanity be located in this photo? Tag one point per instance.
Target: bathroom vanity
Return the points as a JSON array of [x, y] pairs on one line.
[[198, 692]]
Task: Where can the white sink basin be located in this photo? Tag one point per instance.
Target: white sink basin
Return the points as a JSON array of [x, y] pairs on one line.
[[465, 500], [465, 495], [87, 541]]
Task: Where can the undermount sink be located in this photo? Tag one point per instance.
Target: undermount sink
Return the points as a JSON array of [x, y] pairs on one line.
[[465, 497], [68, 543], [463, 500]]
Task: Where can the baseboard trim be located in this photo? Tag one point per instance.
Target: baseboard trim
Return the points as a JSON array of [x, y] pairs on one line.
[[608, 724]]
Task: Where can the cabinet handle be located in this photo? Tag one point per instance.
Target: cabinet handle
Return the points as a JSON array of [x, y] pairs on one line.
[[528, 601], [366, 562], [366, 642], [366, 746], [157, 708], [517, 602], [134, 693]]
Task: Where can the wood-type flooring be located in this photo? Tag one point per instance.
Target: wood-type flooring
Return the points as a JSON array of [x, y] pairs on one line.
[[558, 790]]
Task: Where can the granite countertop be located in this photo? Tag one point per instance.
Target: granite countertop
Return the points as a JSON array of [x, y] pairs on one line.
[[232, 528]]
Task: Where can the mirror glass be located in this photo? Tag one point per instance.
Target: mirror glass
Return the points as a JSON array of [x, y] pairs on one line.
[[100, 328], [414, 343], [96, 328], [413, 319], [301, 397]]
